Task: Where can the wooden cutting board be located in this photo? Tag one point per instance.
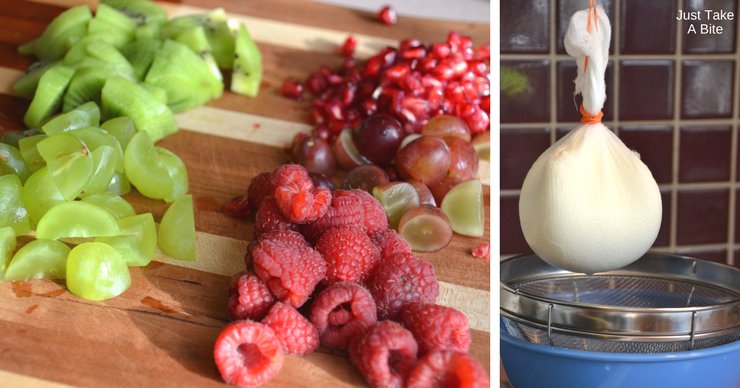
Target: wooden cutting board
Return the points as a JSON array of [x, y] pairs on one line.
[[161, 331]]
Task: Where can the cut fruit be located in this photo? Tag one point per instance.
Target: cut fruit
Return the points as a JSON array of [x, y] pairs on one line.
[[137, 242], [177, 230], [115, 18], [197, 40], [88, 82], [26, 85], [122, 97], [115, 36], [39, 259], [77, 56], [140, 11], [463, 205], [76, 219], [215, 25], [346, 152], [40, 194], [12, 162], [140, 54], [95, 271], [48, 96], [7, 246], [13, 212], [66, 29], [122, 128], [425, 228], [397, 198], [247, 71], [94, 138], [85, 115], [155, 171], [105, 159], [482, 145], [110, 54], [119, 184], [185, 76], [70, 163], [119, 207]]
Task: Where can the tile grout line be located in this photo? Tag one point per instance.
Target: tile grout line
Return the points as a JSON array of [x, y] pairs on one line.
[[553, 71], [687, 122], [627, 57], [675, 154]]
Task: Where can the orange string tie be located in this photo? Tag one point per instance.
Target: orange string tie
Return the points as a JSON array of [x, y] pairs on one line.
[[588, 118]]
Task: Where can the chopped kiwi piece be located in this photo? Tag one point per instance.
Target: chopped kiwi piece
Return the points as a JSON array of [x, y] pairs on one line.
[[141, 54], [117, 37], [87, 83], [140, 11], [247, 72], [78, 52], [26, 85], [185, 76], [64, 31], [147, 31], [108, 53], [196, 39], [48, 96], [85, 115], [158, 93], [123, 97], [115, 18], [217, 31]]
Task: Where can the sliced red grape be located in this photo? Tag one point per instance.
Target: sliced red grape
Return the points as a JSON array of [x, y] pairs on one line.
[[397, 198], [366, 178], [463, 158], [425, 195], [346, 152], [445, 125]]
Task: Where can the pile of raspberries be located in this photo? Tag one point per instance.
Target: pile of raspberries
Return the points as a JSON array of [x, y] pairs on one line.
[[357, 284]]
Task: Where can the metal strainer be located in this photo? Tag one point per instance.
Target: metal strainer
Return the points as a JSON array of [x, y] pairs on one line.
[[660, 303]]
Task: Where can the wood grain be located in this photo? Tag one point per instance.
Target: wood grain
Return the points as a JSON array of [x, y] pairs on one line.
[[161, 331]]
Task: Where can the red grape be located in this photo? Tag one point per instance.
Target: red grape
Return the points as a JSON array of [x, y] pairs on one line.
[[366, 178], [378, 138], [425, 195], [445, 125], [315, 154], [463, 158], [426, 159]]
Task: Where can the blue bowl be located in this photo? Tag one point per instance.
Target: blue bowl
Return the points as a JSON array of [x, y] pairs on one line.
[[531, 365]]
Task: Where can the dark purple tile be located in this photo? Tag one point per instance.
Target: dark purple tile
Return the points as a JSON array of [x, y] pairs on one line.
[[525, 91], [519, 149], [648, 27], [646, 90], [655, 146], [705, 154], [567, 108], [664, 234], [736, 258], [696, 42], [527, 26], [706, 89], [715, 255], [702, 216], [512, 239], [566, 9]]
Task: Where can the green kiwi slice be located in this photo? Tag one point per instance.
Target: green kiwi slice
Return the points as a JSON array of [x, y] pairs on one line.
[[141, 54], [88, 82], [197, 40], [123, 97], [140, 11], [219, 35], [247, 72], [48, 96], [115, 18], [26, 85], [64, 31]]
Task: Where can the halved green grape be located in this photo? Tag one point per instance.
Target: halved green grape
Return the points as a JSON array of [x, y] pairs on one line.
[[463, 205], [13, 212], [40, 194], [30, 153], [12, 162], [177, 230], [397, 198], [95, 271], [26, 85], [39, 259], [122, 128], [137, 242], [105, 159], [48, 96], [119, 184], [60, 34], [70, 163], [119, 207], [7, 246], [155, 171], [122, 97], [77, 219], [95, 138], [425, 228], [247, 71], [85, 115]]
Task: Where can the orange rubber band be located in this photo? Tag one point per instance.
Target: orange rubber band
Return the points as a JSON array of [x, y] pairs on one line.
[[588, 118]]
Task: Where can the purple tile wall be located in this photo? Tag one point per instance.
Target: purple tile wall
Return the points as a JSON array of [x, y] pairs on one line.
[[672, 97]]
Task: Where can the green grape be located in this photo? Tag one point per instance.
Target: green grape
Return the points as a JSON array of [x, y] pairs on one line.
[[12, 162], [85, 115], [122, 128], [105, 159], [177, 230], [155, 171], [69, 161], [11, 138], [119, 207], [30, 153], [13, 212], [95, 271], [77, 219], [119, 184], [7, 246], [137, 242], [40, 194], [94, 138], [463, 204], [39, 259]]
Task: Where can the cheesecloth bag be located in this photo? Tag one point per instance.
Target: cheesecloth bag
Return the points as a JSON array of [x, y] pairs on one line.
[[589, 204]]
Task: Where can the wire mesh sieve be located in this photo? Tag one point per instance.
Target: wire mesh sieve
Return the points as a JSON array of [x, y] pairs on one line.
[[660, 303]]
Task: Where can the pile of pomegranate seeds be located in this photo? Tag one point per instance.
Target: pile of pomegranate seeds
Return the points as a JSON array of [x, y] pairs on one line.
[[413, 83]]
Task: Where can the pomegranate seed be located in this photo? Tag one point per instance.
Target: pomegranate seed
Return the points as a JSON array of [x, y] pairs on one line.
[[485, 104], [292, 89], [443, 71], [409, 43], [396, 72], [483, 86], [413, 85], [388, 55], [435, 98], [334, 110], [373, 67], [322, 131], [348, 48], [316, 83], [481, 251], [483, 52], [477, 121], [453, 38], [325, 71], [441, 50], [478, 67], [414, 53], [387, 15], [315, 116], [427, 64], [238, 207], [369, 107], [335, 79], [336, 126], [347, 93], [468, 76]]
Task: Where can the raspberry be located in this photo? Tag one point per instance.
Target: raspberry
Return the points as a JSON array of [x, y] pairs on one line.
[[296, 334], [296, 196], [399, 280], [349, 253], [445, 368], [340, 312], [345, 210], [374, 217], [291, 272], [247, 353], [288, 237], [390, 243], [270, 218], [249, 298], [259, 189], [384, 354], [436, 327]]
